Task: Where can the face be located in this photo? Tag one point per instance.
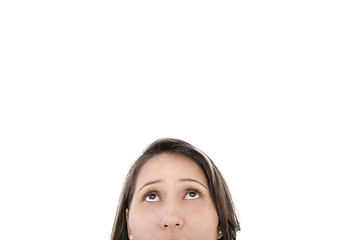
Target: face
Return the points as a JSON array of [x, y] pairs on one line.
[[172, 201]]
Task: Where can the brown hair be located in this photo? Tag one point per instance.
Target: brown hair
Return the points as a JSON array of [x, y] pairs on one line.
[[228, 222]]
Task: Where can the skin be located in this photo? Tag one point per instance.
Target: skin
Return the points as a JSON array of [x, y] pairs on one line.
[[172, 201]]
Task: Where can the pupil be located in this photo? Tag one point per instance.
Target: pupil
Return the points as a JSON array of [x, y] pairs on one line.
[[152, 196], [192, 194]]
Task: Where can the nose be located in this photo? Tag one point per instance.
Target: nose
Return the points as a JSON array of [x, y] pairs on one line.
[[172, 218]]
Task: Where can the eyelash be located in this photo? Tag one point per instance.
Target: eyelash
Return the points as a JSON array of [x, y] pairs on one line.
[[150, 191], [189, 190], [194, 190]]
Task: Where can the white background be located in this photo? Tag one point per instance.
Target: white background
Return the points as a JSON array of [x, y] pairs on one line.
[[268, 89]]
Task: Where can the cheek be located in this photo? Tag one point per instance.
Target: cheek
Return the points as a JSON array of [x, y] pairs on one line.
[[143, 222], [203, 221]]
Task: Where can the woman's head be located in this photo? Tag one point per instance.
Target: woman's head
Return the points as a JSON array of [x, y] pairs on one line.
[[174, 191]]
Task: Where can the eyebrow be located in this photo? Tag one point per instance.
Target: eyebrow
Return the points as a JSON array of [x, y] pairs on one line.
[[180, 180], [192, 180], [150, 183]]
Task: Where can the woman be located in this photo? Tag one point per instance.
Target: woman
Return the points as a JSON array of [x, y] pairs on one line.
[[174, 191]]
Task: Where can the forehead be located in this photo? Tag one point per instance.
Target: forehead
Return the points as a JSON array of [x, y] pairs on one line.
[[170, 167]]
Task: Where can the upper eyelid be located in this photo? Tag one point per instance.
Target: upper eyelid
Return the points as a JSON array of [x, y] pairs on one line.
[[193, 189]]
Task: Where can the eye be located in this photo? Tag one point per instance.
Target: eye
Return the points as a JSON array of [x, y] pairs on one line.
[[151, 197], [192, 194]]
